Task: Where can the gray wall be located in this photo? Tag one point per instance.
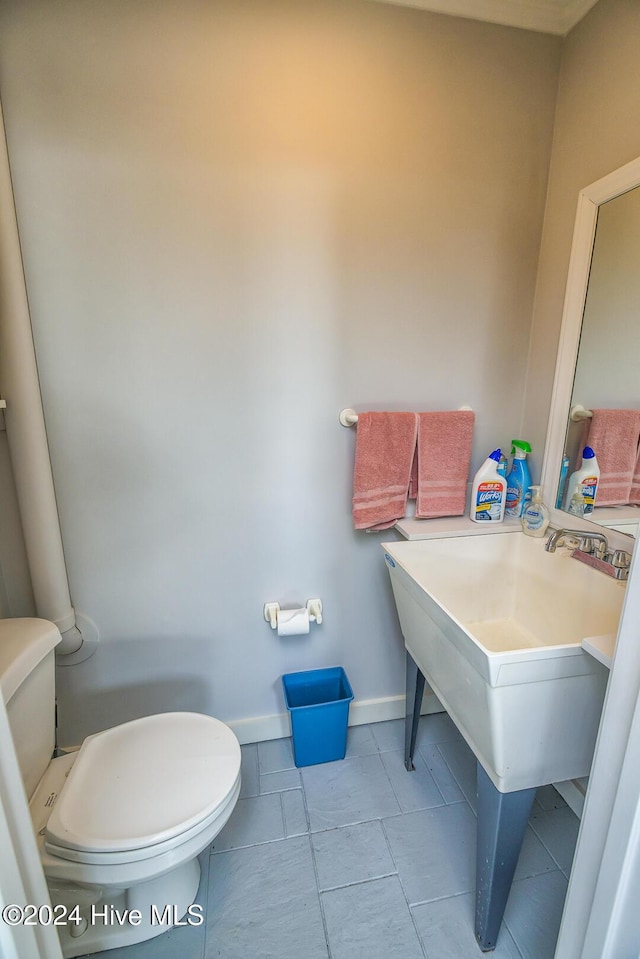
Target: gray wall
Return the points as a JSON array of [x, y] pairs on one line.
[[607, 367], [16, 595], [238, 218], [596, 131]]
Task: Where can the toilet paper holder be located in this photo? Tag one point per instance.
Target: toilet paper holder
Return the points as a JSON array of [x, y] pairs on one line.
[[313, 606]]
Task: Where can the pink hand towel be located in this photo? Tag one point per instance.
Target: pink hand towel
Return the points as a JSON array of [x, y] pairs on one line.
[[444, 455], [614, 437], [634, 498], [385, 445]]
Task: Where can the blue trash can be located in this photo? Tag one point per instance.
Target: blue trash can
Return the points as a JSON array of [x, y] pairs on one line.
[[318, 703]]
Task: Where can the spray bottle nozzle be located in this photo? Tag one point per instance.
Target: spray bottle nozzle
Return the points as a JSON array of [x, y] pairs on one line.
[[520, 448]]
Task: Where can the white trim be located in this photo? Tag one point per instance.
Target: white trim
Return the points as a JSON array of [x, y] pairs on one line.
[[257, 729], [601, 918], [598, 914], [540, 15], [589, 199], [573, 792], [447, 527]]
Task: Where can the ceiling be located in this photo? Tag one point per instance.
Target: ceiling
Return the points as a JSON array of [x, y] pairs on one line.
[[545, 16]]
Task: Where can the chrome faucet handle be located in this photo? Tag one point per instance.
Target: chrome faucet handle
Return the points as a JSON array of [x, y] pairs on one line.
[[595, 543], [621, 559], [594, 546]]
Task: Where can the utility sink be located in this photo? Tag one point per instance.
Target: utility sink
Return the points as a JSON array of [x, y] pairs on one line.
[[494, 623]]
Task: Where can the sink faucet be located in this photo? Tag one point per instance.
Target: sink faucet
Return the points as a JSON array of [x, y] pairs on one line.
[[588, 542], [593, 549]]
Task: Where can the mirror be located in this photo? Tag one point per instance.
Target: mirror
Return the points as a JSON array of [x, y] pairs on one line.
[[606, 368], [599, 340]]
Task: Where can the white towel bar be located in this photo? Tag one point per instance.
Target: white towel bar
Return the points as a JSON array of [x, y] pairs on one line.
[[349, 417], [578, 413]]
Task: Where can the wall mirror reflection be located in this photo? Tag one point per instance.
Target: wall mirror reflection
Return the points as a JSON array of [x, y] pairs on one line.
[[604, 416]]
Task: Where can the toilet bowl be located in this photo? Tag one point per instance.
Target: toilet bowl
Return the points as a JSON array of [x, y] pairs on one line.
[[120, 822]]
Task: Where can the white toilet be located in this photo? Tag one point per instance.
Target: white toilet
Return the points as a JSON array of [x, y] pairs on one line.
[[120, 822]]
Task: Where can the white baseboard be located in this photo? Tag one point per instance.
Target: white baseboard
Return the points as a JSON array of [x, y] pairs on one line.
[[257, 729], [573, 792]]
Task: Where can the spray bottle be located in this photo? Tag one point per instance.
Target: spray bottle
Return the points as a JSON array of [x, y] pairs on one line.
[[564, 472], [519, 479]]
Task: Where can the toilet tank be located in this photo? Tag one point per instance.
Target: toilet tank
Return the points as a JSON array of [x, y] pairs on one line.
[[27, 671]]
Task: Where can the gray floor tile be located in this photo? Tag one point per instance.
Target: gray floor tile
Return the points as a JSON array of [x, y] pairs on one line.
[[360, 742], [370, 921], [533, 914], [446, 928], [276, 782], [389, 735], [295, 815], [558, 830], [549, 798], [249, 771], [349, 791], [462, 764], [414, 790], [434, 851], [534, 858], [351, 854], [275, 755], [257, 819], [442, 775], [264, 904], [436, 728]]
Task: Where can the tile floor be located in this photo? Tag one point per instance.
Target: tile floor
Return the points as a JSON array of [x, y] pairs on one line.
[[361, 860]]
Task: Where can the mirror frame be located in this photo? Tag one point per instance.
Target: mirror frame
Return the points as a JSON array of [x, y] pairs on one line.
[[590, 199]]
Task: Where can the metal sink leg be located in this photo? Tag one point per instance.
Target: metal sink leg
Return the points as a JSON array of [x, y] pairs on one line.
[[502, 820], [414, 691]]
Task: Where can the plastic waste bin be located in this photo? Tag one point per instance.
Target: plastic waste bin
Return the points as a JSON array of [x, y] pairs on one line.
[[318, 703]]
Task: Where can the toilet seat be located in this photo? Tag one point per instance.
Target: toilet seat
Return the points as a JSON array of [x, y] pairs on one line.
[[140, 788]]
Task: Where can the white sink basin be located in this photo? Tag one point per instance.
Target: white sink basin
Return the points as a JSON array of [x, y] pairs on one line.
[[495, 624]]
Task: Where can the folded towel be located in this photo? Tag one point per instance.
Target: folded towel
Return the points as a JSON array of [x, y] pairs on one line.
[[634, 498], [444, 455], [614, 437], [385, 444]]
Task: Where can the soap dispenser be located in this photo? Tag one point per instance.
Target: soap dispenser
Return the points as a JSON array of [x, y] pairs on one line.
[[576, 504], [535, 517]]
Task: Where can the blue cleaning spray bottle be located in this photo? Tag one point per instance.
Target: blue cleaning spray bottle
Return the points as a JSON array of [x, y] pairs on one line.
[[519, 479], [564, 472]]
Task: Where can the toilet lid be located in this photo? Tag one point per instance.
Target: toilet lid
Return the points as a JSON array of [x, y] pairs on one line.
[[145, 782]]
